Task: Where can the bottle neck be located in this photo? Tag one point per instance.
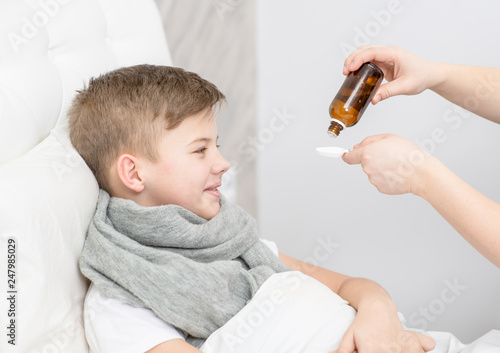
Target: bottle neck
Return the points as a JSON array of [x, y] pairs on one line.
[[335, 127]]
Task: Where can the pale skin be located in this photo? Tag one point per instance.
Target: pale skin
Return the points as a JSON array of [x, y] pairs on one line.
[[189, 159], [396, 165]]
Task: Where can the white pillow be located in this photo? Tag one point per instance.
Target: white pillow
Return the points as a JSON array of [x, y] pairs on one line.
[[290, 313], [48, 197]]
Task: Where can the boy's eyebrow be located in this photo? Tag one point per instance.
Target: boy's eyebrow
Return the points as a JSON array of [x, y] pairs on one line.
[[202, 139]]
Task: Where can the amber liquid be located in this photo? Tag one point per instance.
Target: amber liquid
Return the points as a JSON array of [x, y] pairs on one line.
[[343, 112], [355, 94]]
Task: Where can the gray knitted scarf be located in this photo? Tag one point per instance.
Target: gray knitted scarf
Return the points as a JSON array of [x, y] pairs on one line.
[[193, 273]]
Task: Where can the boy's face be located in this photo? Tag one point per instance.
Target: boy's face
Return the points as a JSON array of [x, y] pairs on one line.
[[189, 169]]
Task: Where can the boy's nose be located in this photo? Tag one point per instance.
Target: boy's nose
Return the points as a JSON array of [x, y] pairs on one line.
[[221, 165]]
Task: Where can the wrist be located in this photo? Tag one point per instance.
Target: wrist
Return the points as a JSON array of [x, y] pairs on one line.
[[380, 304], [437, 75], [427, 177]]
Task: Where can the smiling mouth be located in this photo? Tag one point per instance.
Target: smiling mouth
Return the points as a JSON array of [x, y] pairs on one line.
[[213, 190]]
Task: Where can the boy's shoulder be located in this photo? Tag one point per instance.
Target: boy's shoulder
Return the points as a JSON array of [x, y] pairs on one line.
[[122, 327]]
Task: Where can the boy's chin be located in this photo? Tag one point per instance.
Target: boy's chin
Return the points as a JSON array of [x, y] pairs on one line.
[[210, 211]]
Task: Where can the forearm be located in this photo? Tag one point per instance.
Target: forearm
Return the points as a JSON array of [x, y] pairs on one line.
[[362, 293], [359, 292], [472, 214], [474, 88]]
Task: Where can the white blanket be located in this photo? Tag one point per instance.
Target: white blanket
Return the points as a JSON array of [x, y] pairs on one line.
[[294, 313]]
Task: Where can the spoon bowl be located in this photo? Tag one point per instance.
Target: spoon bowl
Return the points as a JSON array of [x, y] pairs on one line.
[[332, 152]]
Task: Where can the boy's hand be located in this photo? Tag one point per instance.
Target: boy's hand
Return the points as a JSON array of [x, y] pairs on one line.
[[409, 341], [375, 331]]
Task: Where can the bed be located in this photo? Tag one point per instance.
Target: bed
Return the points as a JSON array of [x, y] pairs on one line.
[[48, 50]]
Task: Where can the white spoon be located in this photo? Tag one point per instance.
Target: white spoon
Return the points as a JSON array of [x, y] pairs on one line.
[[332, 152]]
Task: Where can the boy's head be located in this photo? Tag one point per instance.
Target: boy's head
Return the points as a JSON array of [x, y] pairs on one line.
[[147, 132]]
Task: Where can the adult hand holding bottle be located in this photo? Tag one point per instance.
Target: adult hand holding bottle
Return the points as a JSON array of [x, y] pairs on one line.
[[396, 165], [474, 88]]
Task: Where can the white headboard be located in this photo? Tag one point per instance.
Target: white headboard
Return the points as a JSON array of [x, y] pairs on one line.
[[48, 50]]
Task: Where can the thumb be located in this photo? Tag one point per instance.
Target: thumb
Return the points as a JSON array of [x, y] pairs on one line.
[[355, 155], [427, 342], [352, 157], [388, 89], [347, 344]]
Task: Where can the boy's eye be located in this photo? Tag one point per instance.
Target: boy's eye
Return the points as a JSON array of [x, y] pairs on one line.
[[201, 150]]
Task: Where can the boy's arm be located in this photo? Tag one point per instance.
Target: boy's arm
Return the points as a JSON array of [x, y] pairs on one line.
[[174, 346], [377, 327]]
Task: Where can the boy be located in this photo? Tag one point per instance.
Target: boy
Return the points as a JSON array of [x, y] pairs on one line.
[[169, 259]]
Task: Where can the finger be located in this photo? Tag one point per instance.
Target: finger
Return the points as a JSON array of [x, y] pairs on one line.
[[427, 342], [356, 146], [348, 61], [373, 53], [353, 157], [364, 52], [385, 91], [370, 139], [389, 89], [346, 345]]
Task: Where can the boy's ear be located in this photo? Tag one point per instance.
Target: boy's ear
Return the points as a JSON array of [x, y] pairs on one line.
[[128, 172]]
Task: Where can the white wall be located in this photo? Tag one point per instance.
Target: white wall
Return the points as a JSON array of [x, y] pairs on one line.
[[201, 37], [325, 210]]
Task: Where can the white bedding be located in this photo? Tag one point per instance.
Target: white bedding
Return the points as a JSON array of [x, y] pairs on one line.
[[290, 313], [294, 313]]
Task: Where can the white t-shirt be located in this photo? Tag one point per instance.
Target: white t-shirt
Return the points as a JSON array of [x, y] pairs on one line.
[[112, 326]]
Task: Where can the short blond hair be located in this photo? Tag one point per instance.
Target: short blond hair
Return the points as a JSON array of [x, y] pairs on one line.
[[129, 109]]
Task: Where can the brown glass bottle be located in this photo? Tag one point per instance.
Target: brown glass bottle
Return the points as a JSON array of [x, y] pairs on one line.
[[353, 97]]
